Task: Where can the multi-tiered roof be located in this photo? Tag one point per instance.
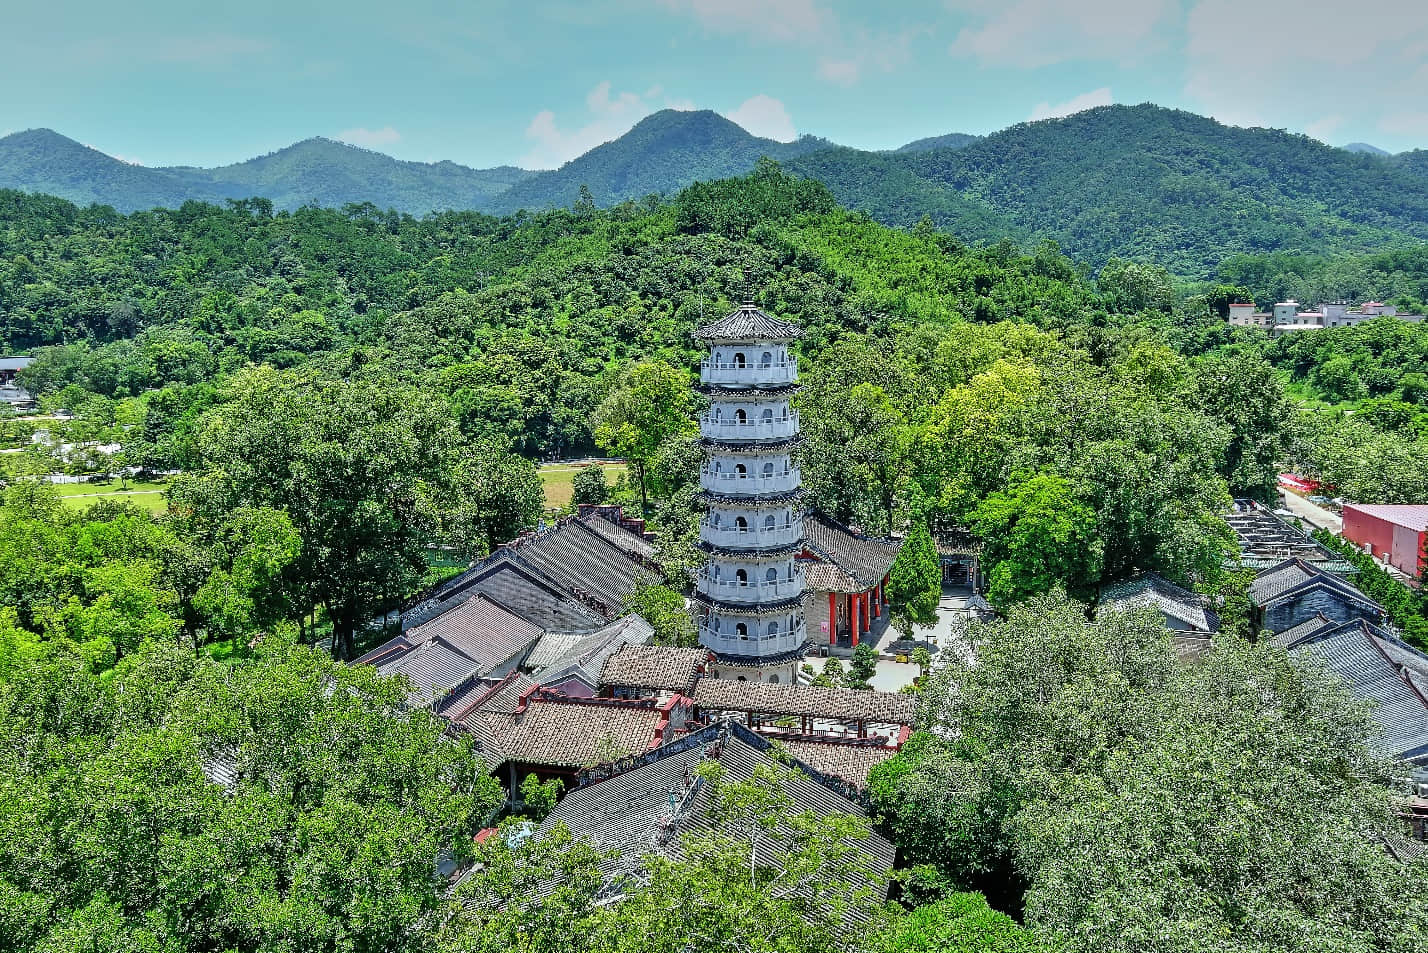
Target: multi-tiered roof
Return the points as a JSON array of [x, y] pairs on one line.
[[751, 588]]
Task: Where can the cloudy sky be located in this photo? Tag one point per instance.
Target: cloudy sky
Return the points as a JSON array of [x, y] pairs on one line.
[[486, 82]]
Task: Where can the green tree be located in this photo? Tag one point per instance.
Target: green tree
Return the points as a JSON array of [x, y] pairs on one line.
[[1036, 535], [862, 667], [915, 580], [958, 923], [664, 609], [538, 797], [651, 402], [589, 485], [361, 467], [498, 495]]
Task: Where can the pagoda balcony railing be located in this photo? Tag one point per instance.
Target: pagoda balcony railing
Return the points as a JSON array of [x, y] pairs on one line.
[[752, 591], [731, 428], [749, 374], [757, 642], [753, 536], [749, 484]]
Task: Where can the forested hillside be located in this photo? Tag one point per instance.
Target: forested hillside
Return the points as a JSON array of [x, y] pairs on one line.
[[355, 398], [1162, 185], [1139, 182], [661, 155]]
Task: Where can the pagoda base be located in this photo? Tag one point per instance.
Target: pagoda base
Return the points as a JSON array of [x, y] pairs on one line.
[[780, 669]]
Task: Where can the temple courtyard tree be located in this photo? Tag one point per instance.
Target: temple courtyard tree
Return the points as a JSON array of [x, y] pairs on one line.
[[650, 403]]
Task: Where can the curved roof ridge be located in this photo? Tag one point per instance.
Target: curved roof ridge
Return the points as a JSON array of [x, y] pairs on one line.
[[748, 323]]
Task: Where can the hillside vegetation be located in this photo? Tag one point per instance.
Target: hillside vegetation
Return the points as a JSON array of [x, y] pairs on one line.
[[1137, 182]]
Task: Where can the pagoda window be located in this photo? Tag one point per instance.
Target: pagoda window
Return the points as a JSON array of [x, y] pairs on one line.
[[769, 521], [771, 575], [718, 466], [741, 525], [768, 415], [740, 416], [742, 577], [766, 360], [741, 470], [773, 678], [768, 469], [743, 631], [718, 413], [714, 520], [740, 360]]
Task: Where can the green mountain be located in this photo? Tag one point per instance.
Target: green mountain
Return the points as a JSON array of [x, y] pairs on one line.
[[662, 154], [1366, 148], [1119, 181], [1415, 162], [330, 173], [314, 171], [1159, 184], [952, 140], [42, 160]]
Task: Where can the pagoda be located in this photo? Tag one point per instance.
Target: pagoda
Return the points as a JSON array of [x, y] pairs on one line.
[[750, 591]]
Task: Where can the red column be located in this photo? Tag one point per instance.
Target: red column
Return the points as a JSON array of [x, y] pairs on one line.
[[854, 616], [878, 601], [832, 618]]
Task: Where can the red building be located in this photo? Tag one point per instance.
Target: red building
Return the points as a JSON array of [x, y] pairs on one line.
[[1391, 533]]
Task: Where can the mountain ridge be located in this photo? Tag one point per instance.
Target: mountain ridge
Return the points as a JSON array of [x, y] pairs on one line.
[[1115, 181]]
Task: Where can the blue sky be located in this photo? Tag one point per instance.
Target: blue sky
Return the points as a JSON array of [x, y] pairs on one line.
[[485, 82]]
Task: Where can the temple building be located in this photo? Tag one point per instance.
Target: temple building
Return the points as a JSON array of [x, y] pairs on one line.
[[846, 576], [750, 591]]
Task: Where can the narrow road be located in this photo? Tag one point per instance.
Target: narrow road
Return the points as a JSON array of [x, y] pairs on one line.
[[1314, 515]]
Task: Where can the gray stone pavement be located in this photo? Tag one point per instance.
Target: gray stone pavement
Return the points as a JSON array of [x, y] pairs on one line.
[[1314, 515]]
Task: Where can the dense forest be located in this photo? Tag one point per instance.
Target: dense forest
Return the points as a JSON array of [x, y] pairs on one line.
[[1138, 182], [346, 392]]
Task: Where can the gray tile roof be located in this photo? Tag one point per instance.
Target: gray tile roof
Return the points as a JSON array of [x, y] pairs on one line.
[[432, 668], [1305, 630], [654, 668], [884, 708], [1151, 589], [864, 558], [517, 587], [1364, 658], [848, 762], [582, 656], [1295, 576], [562, 732], [583, 561], [483, 631], [748, 323], [444, 654], [659, 800]]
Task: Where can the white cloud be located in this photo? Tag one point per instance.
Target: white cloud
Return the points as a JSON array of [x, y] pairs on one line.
[[1283, 62], [765, 116], [1032, 33], [1076, 104], [1324, 127], [841, 72], [369, 138], [210, 49], [609, 115], [802, 21], [1405, 123]]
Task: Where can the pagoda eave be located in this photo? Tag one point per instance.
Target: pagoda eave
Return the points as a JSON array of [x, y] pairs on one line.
[[750, 610]]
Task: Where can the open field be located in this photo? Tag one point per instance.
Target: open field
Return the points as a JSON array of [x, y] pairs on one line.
[[149, 496], [558, 479]]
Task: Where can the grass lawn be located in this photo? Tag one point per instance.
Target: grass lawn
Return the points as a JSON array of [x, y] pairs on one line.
[[558, 479], [143, 494]]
